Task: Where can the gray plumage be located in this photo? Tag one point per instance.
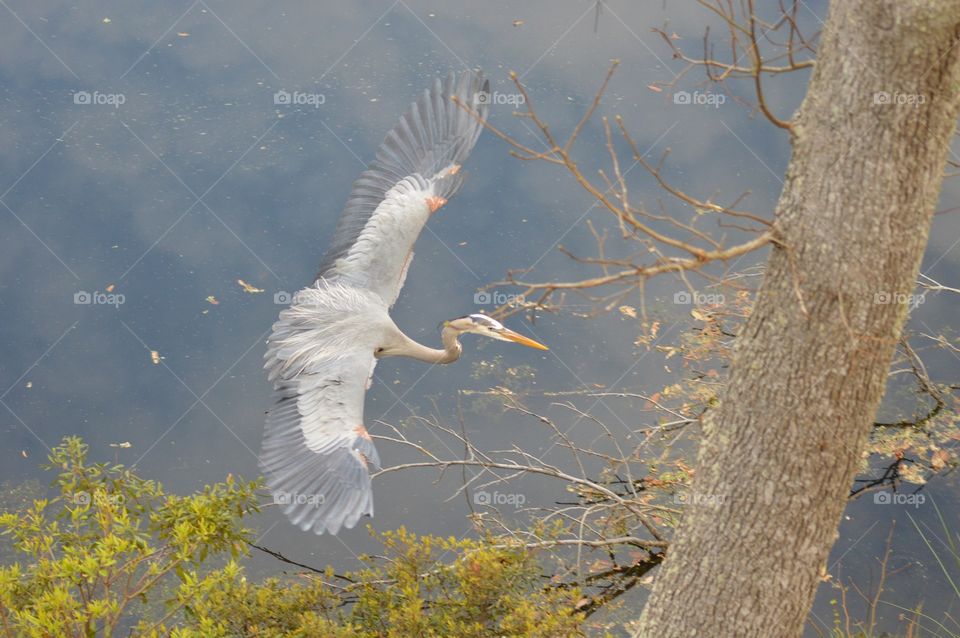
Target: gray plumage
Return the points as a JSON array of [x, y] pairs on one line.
[[320, 357], [433, 134]]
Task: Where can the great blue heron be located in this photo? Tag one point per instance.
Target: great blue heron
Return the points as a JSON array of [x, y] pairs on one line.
[[316, 451]]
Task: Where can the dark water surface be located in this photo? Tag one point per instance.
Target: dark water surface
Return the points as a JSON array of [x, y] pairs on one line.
[[144, 148]]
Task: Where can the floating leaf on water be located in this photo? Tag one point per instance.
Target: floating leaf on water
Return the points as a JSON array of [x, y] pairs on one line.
[[939, 459], [247, 287], [699, 315], [668, 350]]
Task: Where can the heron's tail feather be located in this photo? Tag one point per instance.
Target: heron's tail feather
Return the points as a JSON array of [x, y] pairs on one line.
[[318, 491]]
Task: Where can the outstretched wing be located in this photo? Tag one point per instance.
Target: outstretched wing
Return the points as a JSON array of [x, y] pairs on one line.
[[316, 452], [417, 169]]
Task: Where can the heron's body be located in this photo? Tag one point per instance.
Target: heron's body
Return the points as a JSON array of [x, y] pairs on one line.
[[317, 454]]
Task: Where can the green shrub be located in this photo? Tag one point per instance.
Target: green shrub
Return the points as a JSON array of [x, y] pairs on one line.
[[113, 554]]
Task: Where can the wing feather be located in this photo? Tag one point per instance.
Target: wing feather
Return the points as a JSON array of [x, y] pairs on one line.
[[387, 206], [316, 453]]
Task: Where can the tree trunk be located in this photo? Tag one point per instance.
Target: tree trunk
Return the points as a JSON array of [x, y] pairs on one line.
[[780, 454]]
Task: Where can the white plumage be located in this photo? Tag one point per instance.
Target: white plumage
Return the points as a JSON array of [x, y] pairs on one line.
[[316, 451]]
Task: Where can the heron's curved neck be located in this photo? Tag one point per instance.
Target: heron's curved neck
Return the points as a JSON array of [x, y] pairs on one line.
[[407, 347]]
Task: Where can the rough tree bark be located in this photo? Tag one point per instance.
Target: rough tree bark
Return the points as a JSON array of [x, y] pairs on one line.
[[780, 454]]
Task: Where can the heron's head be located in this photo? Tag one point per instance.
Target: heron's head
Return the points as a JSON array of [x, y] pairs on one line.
[[490, 327]]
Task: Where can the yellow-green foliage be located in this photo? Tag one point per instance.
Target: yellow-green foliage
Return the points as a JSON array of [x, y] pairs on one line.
[[479, 590], [86, 562], [113, 554]]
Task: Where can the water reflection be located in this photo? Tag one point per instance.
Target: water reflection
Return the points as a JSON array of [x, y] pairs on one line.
[[199, 176]]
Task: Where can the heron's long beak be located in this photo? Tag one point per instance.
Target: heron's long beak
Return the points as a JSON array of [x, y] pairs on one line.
[[519, 338]]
